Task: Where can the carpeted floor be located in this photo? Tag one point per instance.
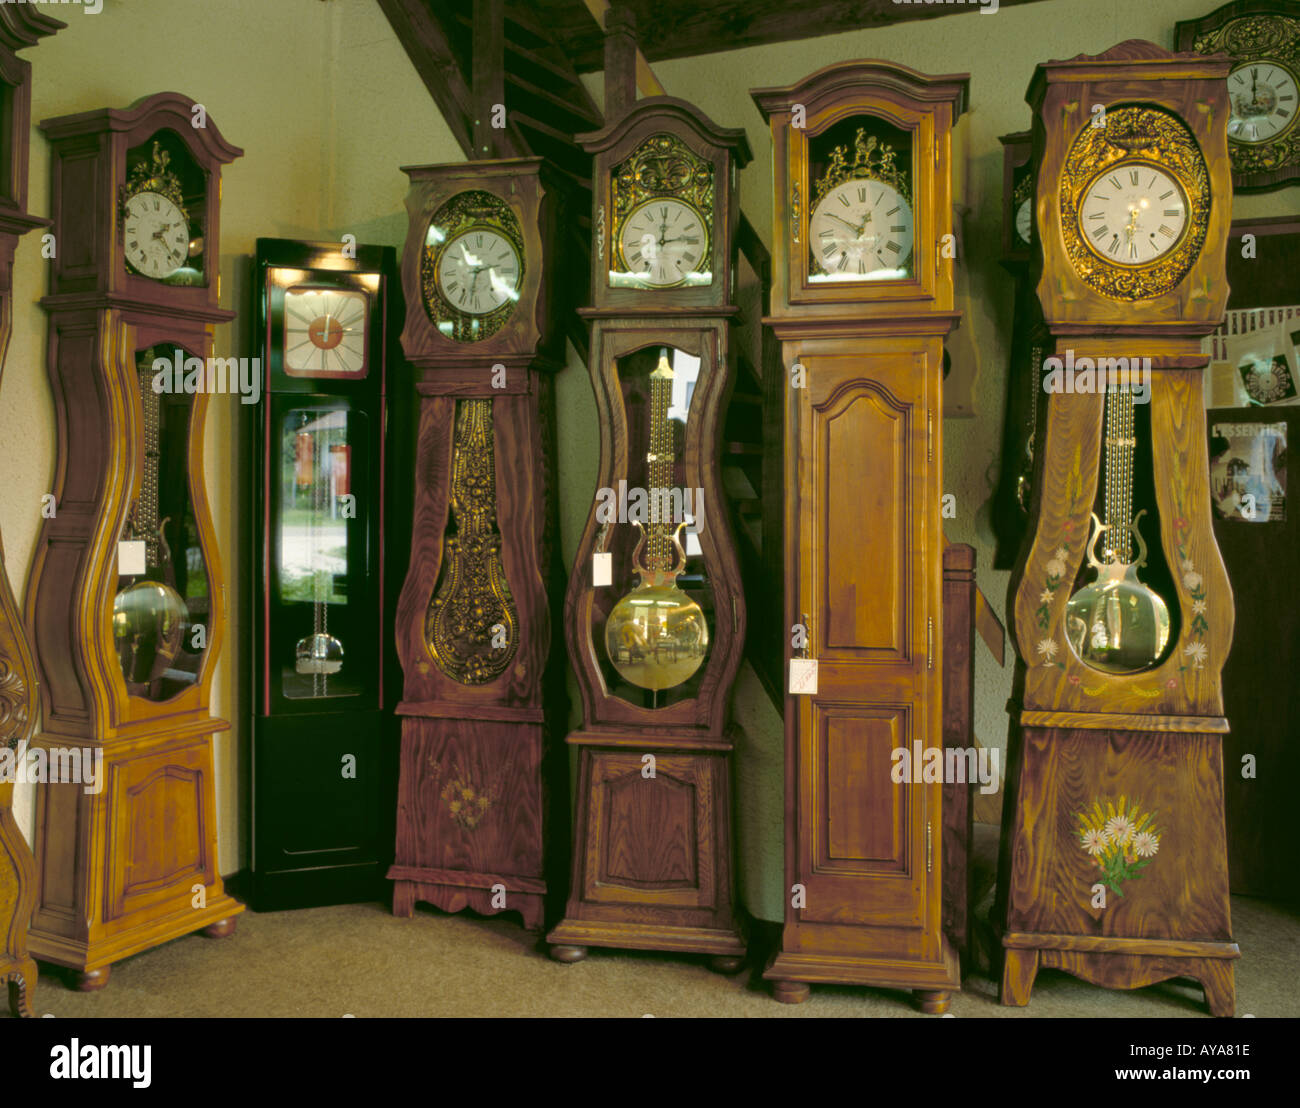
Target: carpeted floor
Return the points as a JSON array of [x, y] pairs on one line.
[[360, 960]]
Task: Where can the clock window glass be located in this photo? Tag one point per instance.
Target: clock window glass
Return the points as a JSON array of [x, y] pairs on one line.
[[320, 551], [861, 223], [1262, 99], [653, 627], [162, 607], [1132, 213], [326, 332], [473, 266], [162, 212]]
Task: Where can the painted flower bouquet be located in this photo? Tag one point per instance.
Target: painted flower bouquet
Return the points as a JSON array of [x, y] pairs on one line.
[[1121, 840]]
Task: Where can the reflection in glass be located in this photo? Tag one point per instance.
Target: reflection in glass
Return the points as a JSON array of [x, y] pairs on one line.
[[657, 636], [160, 616], [316, 506]]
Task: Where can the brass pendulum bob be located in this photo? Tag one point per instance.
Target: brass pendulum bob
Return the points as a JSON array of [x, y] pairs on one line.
[[1117, 624], [149, 621], [657, 636]]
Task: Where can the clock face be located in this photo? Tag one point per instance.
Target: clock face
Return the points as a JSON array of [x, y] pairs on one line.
[[861, 230], [1262, 95], [1133, 213], [478, 272], [1025, 219], [325, 332], [155, 235], [664, 243]]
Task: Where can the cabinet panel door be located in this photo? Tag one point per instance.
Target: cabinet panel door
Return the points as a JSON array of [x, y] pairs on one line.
[[869, 580]]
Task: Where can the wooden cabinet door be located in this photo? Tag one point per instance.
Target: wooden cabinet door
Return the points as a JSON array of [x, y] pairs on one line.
[[866, 452]]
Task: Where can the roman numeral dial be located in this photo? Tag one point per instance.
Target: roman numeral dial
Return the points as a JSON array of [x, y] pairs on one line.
[[155, 235], [478, 271], [665, 242], [1133, 214], [1263, 100], [861, 230]]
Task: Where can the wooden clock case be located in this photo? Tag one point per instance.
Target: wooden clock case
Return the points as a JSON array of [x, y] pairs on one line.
[[864, 857], [652, 860], [132, 867], [1080, 735], [19, 28], [492, 738]]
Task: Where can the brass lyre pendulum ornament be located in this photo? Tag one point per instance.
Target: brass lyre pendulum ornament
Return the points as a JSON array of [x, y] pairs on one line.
[[657, 636], [1117, 624]]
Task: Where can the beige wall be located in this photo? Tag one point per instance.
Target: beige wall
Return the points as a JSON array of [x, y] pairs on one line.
[[327, 107]]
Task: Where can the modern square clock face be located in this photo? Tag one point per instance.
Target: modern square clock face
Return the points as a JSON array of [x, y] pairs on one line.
[[325, 332]]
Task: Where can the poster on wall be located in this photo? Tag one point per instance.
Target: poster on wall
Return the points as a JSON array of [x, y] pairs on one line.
[[1248, 471]]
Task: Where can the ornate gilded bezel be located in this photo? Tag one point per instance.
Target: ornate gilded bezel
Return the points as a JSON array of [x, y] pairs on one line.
[[1260, 37], [471, 627], [1135, 134], [662, 166], [463, 212]]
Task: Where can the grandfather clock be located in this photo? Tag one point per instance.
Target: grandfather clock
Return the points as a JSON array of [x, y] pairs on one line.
[[482, 697], [862, 301], [654, 617], [19, 27], [127, 595], [1114, 865]]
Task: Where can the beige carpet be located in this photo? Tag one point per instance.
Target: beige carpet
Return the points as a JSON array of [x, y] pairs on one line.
[[359, 960]]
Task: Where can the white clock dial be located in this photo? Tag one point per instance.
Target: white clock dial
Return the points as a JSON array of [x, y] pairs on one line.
[[861, 229], [1263, 100], [155, 235], [478, 271], [325, 332], [1025, 219], [664, 243], [1132, 214]]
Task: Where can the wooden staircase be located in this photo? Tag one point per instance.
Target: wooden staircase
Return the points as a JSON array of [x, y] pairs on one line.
[[515, 62]]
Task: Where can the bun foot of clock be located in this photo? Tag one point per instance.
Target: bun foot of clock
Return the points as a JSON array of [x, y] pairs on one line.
[[727, 964], [791, 992], [222, 929], [90, 981], [932, 1001], [566, 953], [1019, 968]]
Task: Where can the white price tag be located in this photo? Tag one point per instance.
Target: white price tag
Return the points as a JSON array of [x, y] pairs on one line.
[[131, 557], [803, 676], [602, 569]]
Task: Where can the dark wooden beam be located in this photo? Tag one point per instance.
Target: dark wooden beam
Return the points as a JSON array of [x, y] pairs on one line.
[[620, 61], [488, 75], [425, 39]]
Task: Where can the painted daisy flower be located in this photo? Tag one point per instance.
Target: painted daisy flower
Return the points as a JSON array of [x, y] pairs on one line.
[[1145, 844], [1045, 597], [1094, 841], [1056, 568], [1047, 649], [1198, 607], [1197, 652], [1119, 828], [1060, 554], [1192, 580]]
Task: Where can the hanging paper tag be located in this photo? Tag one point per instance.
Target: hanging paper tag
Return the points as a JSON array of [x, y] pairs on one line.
[[130, 557], [602, 569], [803, 676]]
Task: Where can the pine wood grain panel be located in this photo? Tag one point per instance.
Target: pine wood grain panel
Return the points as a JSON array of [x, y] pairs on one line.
[[1179, 776]]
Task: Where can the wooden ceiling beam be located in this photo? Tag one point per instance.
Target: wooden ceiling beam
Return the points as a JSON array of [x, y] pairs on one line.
[[426, 44]]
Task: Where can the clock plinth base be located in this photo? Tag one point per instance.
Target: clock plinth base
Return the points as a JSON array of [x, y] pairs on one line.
[[92, 960], [1112, 969], [932, 981], [1058, 904], [721, 944], [411, 885]]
